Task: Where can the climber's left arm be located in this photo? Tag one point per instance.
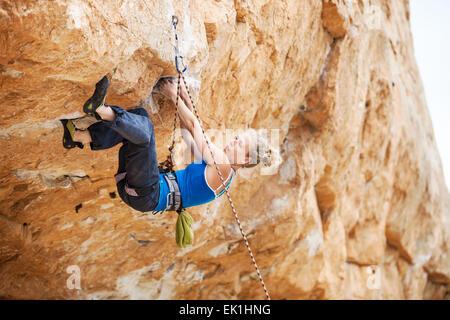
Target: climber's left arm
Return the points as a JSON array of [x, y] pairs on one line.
[[169, 89], [189, 140]]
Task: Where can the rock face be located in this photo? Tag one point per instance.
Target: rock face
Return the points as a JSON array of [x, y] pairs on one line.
[[358, 209]]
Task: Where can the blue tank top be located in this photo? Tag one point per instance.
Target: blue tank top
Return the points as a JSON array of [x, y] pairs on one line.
[[193, 186]]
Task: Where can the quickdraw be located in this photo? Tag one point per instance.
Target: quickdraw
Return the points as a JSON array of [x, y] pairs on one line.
[[177, 49], [167, 165]]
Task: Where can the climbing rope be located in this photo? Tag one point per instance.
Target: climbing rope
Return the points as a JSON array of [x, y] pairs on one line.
[[181, 75], [167, 165]]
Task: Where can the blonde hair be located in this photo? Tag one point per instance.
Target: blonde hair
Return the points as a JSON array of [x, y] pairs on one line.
[[261, 151]]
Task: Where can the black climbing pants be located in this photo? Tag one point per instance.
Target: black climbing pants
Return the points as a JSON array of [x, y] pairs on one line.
[[137, 155]]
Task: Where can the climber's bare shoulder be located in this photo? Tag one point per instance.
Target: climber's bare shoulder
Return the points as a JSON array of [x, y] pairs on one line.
[[211, 175]]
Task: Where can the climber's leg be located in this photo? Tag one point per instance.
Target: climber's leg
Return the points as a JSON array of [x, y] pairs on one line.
[[82, 136], [106, 113], [123, 151], [103, 136], [136, 129], [69, 140], [137, 157]]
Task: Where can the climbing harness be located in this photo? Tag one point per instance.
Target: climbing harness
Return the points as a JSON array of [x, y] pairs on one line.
[[174, 195], [169, 163]]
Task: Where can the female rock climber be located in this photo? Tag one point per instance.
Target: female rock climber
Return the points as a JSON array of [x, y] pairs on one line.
[[139, 182]]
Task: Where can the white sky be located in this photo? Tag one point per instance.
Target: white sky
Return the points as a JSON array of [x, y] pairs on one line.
[[430, 24]]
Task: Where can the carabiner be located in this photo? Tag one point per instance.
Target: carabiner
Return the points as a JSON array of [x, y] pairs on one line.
[[177, 49], [176, 64]]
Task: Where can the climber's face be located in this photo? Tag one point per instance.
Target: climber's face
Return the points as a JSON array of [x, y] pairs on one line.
[[237, 150]]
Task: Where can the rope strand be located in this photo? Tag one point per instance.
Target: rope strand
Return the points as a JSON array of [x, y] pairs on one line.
[[244, 236], [181, 75]]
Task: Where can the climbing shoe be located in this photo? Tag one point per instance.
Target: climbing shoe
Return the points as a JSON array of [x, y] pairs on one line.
[[97, 99], [69, 131]]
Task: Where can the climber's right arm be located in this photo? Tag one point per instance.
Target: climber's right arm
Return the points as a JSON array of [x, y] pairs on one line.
[[193, 125], [185, 114], [189, 140]]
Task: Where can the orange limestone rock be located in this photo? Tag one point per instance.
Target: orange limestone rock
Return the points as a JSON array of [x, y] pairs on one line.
[[357, 208]]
